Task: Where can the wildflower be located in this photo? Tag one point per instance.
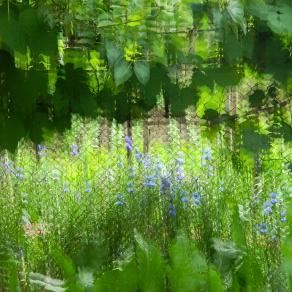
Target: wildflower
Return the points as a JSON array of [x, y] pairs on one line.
[[165, 184], [8, 166], [88, 187], [41, 150], [283, 216], [130, 188], [150, 181], [180, 160], [263, 228], [283, 219], [221, 187], [273, 195], [274, 201], [74, 150], [138, 156], [180, 174], [207, 154], [66, 188], [129, 143], [120, 200], [172, 212], [19, 172], [267, 208], [196, 196], [184, 199]]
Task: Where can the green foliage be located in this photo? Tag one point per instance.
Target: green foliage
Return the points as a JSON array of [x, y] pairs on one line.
[[191, 45], [187, 269]]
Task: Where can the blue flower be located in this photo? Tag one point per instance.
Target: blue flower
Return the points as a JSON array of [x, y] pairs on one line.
[[171, 212], [74, 150], [41, 150], [120, 196], [273, 195], [19, 172], [274, 201], [128, 140], [150, 181], [197, 197], [263, 228], [138, 156], [129, 143], [184, 199], [66, 188], [267, 210], [283, 216], [180, 174], [120, 200], [165, 184], [129, 147], [207, 154], [180, 160], [88, 187]]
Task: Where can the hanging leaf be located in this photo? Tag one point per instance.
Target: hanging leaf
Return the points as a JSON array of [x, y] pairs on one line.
[[236, 12], [114, 54], [122, 72], [142, 71]]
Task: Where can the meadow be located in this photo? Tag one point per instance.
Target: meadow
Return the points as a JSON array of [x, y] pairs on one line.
[[80, 216]]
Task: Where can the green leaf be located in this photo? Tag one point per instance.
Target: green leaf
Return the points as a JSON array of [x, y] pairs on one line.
[[214, 281], [114, 54], [142, 71], [122, 72], [123, 279], [150, 266], [187, 266], [236, 12]]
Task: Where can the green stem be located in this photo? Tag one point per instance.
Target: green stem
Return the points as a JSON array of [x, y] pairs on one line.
[[8, 10]]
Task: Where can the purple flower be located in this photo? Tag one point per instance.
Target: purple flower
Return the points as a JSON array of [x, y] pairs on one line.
[[88, 187], [150, 181], [129, 147], [180, 161], [274, 201], [184, 199], [172, 212], [267, 210], [129, 143], [165, 184], [180, 174], [138, 156], [74, 150], [197, 197], [263, 228], [120, 200], [19, 172], [207, 154], [128, 140], [273, 195]]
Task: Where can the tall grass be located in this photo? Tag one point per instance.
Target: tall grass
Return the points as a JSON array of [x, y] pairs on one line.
[[182, 217]]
